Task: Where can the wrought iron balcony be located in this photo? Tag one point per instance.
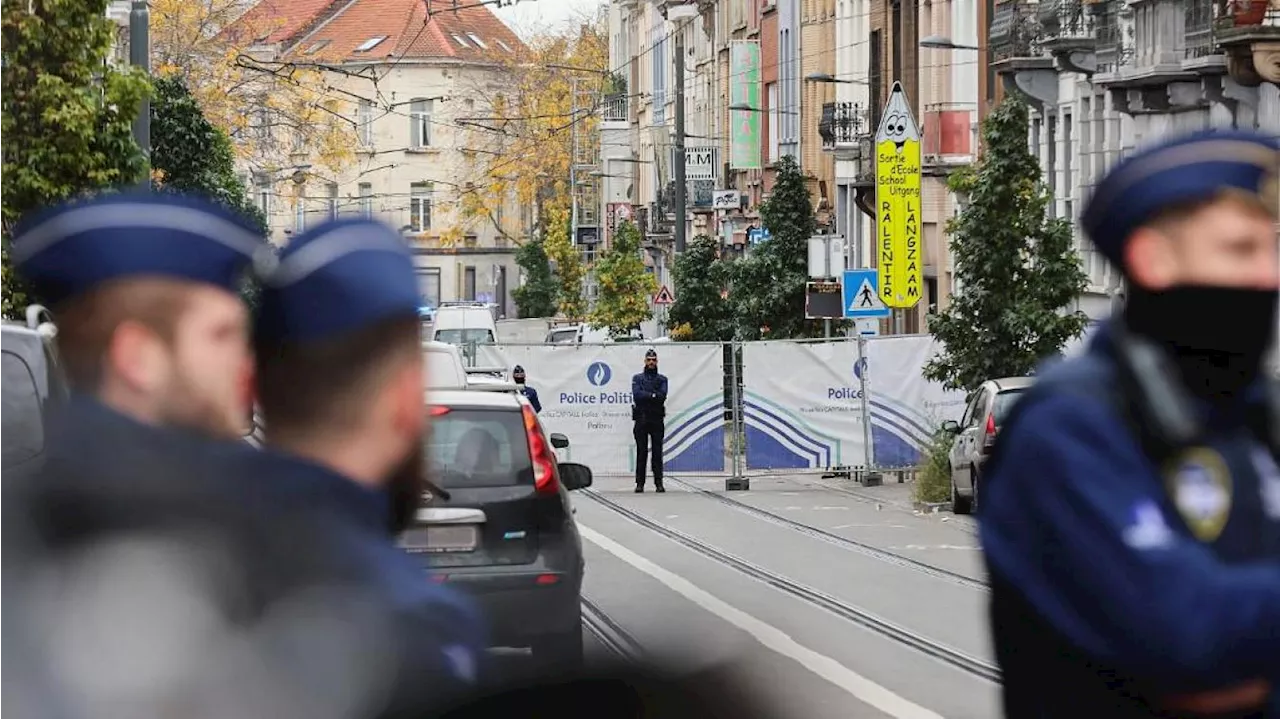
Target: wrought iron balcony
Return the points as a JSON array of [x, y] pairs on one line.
[[842, 124], [1113, 35], [1013, 30], [1063, 20]]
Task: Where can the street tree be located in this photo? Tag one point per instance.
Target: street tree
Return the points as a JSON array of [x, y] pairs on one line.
[[189, 154], [67, 115], [518, 138], [701, 278], [625, 284], [768, 285], [278, 113], [1015, 265], [536, 297], [569, 270]]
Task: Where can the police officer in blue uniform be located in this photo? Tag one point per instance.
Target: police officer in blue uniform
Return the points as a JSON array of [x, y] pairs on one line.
[[1131, 517], [649, 411], [341, 390], [529, 393]]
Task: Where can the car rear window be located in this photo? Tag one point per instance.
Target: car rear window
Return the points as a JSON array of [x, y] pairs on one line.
[[23, 430], [462, 337], [1005, 401], [478, 448]]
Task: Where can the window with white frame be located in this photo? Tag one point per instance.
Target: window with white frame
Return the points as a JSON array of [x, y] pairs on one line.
[[420, 124], [420, 206], [477, 41], [364, 122], [771, 95], [299, 208], [264, 195], [366, 199], [333, 201], [371, 43]]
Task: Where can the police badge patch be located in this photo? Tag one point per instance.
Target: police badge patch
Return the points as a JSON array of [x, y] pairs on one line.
[[1201, 487]]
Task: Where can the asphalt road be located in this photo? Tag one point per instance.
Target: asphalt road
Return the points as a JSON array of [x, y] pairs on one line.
[[838, 601]]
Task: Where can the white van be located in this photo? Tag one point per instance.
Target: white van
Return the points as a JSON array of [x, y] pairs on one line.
[[446, 370], [464, 323]]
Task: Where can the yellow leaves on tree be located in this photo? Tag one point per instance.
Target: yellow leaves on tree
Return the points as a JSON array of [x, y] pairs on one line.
[[278, 116], [523, 124], [569, 270]]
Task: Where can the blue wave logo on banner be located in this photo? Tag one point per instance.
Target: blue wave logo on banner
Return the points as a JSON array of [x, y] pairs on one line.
[[599, 374], [695, 438], [860, 368]]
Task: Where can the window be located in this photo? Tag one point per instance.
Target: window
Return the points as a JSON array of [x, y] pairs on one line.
[[364, 122], [771, 95], [479, 448], [1004, 402], [300, 208], [469, 284], [264, 196], [1051, 161], [333, 200], [477, 41], [420, 123], [458, 39], [504, 46], [264, 124], [429, 285], [875, 78], [366, 199], [23, 424], [420, 206], [371, 43]]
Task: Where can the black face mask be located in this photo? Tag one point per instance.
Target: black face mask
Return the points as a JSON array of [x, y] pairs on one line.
[[519, 379], [1218, 336]]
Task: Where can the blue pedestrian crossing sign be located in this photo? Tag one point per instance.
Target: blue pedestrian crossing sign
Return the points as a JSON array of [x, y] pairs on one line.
[[861, 296]]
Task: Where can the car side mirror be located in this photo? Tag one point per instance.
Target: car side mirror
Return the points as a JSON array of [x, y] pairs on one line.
[[951, 427], [575, 476], [559, 441]]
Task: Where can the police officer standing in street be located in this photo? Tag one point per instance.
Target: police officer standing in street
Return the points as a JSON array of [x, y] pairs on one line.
[[649, 411], [1131, 509], [529, 393], [341, 386]]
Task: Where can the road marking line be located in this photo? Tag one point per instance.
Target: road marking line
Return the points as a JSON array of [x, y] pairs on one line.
[[770, 636]]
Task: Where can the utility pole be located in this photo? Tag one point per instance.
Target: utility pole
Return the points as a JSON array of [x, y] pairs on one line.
[[573, 162], [682, 182], [140, 56]]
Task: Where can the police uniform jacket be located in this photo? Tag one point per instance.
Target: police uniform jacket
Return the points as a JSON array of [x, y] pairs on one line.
[[1118, 581], [649, 392]]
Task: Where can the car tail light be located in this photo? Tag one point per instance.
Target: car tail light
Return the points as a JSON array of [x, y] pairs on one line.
[[545, 480], [989, 434], [991, 425], [437, 411]]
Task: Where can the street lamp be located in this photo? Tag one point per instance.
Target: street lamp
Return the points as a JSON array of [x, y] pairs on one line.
[[939, 42]]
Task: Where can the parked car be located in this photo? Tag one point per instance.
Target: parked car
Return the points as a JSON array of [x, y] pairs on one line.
[[31, 385], [587, 334], [464, 323], [975, 435], [506, 533], [446, 369]]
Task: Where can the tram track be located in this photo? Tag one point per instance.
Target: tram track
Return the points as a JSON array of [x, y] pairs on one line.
[[956, 658], [853, 545], [617, 640]]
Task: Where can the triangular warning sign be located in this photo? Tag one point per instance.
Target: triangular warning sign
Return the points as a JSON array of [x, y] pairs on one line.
[[865, 299], [664, 297]]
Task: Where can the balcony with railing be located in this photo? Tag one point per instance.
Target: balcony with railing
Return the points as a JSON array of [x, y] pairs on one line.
[[1113, 35], [613, 108], [1014, 43], [1248, 31], [846, 131], [1066, 31], [948, 135]]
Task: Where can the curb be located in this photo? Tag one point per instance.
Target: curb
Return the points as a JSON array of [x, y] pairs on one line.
[[931, 507]]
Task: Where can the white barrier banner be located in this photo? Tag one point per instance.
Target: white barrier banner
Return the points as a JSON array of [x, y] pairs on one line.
[[803, 402], [585, 392]]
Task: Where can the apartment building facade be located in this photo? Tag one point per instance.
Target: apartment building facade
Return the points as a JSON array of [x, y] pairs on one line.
[[1107, 76], [411, 85]]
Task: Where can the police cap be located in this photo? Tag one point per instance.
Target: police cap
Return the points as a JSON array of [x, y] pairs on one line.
[[1190, 168], [69, 249], [336, 278], [651, 352]]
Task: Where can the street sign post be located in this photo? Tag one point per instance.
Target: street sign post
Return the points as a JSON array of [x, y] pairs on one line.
[[898, 239], [756, 235], [861, 296]]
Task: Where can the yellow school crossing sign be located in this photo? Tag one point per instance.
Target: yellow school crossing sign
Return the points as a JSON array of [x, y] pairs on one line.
[[899, 254]]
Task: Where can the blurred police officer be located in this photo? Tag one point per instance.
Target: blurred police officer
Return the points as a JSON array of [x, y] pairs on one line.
[[649, 411], [341, 389], [1131, 513], [123, 517], [529, 393]]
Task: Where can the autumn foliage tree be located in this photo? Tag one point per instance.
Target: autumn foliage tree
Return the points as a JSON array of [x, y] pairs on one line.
[[625, 284], [277, 114], [520, 137], [569, 270], [67, 116]]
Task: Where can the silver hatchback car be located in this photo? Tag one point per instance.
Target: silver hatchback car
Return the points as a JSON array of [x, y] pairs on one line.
[[975, 435]]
